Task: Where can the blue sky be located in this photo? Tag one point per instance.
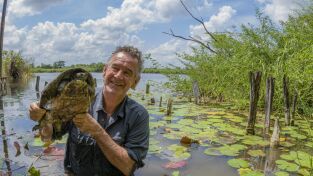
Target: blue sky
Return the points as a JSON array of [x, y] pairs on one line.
[[86, 31]]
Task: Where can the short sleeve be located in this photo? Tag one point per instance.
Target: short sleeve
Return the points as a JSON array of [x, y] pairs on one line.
[[137, 140]]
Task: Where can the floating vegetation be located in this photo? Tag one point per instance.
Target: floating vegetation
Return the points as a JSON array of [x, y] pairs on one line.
[[238, 163]]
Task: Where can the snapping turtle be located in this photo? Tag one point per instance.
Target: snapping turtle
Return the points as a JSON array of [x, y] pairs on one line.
[[66, 96]]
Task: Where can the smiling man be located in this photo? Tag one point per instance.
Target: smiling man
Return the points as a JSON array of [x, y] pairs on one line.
[[113, 138]]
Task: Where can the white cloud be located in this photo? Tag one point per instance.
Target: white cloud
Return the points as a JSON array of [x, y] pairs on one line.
[[279, 10], [21, 8], [165, 53], [215, 22], [94, 40]]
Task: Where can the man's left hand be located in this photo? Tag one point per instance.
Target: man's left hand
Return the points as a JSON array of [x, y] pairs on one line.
[[87, 124]]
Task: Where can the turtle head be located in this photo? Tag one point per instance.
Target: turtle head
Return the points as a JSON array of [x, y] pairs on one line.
[[81, 76]]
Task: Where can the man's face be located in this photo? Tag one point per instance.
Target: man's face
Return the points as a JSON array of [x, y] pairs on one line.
[[120, 74]]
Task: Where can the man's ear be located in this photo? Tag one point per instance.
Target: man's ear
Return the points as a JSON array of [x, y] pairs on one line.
[[104, 70], [135, 83]]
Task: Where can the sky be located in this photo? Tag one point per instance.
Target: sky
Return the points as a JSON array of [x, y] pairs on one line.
[[87, 31]]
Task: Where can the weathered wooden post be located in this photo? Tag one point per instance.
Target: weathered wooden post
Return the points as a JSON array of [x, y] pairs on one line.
[[270, 163], [196, 91], [268, 103], [152, 101], [286, 100], [275, 135], [147, 88], [255, 80], [4, 11], [46, 83], [293, 111], [37, 83], [169, 106], [160, 104]]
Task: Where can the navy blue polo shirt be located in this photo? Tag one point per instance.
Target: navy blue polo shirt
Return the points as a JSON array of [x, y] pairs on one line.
[[128, 127]]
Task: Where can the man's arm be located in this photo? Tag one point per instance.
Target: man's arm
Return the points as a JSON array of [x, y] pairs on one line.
[[117, 155]]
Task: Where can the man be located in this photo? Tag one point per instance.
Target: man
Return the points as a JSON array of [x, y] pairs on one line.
[[113, 138]]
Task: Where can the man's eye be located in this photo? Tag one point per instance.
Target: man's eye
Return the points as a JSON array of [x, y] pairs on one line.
[[127, 73], [114, 68]]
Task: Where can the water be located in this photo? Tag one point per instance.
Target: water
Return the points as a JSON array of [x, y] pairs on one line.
[[17, 128]]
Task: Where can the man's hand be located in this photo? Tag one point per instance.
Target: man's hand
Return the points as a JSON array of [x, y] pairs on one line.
[[35, 112], [87, 124]]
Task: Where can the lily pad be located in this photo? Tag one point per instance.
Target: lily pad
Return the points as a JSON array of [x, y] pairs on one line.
[[179, 152], [249, 172], [254, 140], [302, 158], [238, 163], [256, 153], [284, 165], [228, 150]]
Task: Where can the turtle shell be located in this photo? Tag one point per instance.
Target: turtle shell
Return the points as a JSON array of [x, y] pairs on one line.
[[71, 93]]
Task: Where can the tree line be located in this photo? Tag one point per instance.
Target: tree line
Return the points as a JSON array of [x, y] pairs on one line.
[[275, 50]]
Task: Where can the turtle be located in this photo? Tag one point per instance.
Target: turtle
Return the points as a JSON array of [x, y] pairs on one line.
[[69, 94]]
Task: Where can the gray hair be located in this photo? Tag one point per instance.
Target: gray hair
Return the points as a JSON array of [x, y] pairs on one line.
[[133, 52]]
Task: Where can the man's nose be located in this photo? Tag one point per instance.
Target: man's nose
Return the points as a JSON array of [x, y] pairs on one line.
[[119, 74]]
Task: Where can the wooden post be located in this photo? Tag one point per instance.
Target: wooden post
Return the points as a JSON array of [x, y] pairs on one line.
[[268, 103], [196, 91], [160, 104], [169, 106], [275, 135], [152, 101], [147, 88], [286, 100], [293, 112], [37, 83], [4, 11], [270, 165], [255, 80], [46, 83]]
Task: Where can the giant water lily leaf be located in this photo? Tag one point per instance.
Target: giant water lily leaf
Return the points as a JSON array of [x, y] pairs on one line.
[[179, 152], [304, 172], [238, 163], [228, 150], [249, 172], [302, 158], [254, 140], [286, 144], [284, 165], [298, 136], [256, 153]]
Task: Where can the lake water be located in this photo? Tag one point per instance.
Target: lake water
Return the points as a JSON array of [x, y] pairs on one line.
[[16, 133]]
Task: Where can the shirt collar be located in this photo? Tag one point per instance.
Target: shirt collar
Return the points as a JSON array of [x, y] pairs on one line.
[[120, 109]]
